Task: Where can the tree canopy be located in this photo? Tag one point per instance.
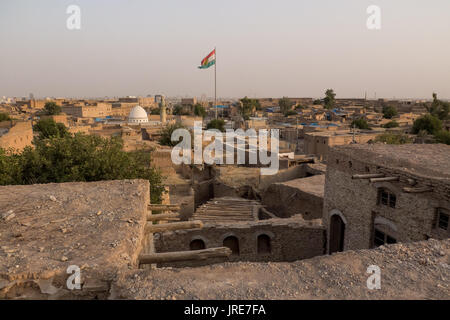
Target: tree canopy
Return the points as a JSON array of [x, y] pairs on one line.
[[440, 109], [248, 107], [48, 128], [78, 158], [4, 117], [329, 99], [199, 111], [360, 124], [51, 108], [391, 124], [429, 123], [166, 135], [389, 112], [218, 124], [285, 105]]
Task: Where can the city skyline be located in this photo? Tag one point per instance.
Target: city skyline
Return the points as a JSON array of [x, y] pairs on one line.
[[288, 48]]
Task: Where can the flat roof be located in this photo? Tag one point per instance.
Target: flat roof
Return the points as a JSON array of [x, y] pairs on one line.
[[431, 160], [46, 228], [314, 185]]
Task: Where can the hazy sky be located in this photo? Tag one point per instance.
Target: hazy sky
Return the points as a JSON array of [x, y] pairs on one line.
[[264, 48]]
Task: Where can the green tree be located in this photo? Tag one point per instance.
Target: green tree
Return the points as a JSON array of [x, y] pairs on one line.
[[393, 138], [48, 128], [51, 108], [247, 107], [428, 123], [166, 135], [290, 113], [199, 111], [329, 99], [4, 117], [218, 124], [389, 112], [317, 102], [443, 137], [360, 124], [154, 111], [391, 124], [285, 105], [79, 158], [440, 109]]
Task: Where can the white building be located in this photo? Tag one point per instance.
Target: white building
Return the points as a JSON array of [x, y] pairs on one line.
[[137, 115]]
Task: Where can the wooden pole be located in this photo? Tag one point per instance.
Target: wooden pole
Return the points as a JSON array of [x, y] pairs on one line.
[[163, 216], [384, 179], [417, 190], [220, 252], [153, 228], [367, 176], [164, 207]]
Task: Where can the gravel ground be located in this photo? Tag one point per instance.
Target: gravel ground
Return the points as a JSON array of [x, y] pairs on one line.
[[408, 271]]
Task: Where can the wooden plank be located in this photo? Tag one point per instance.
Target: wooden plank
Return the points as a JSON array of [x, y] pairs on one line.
[[152, 228], [220, 252], [163, 216], [164, 207]]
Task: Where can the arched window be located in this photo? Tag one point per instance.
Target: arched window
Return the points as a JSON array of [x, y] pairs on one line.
[[197, 244], [264, 246], [233, 243]]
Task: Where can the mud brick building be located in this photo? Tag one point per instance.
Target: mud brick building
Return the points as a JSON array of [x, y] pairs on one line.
[[382, 194]]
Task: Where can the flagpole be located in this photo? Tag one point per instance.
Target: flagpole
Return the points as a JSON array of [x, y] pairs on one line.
[[215, 80]]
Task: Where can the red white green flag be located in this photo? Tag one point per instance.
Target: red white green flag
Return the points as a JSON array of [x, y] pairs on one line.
[[209, 61]]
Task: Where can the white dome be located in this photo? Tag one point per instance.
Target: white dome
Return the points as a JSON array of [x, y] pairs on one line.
[[137, 115]]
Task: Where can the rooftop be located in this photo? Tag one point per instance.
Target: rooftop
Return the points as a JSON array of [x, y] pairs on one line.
[[431, 160], [45, 228], [314, 185], [409, 271]]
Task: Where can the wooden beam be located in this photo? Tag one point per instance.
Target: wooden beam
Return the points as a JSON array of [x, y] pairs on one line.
[[164, 207], [417, 190], [220, 252], [153, 228], [367, 176], [163, 216], [386, 179]]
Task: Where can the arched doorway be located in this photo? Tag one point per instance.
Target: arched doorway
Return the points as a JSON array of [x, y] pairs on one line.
[[264, 244], [337, 234], [197, 244], [233, 243]]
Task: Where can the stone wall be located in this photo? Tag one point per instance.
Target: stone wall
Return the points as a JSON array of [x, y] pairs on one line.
[[295, 197], [290, 239], [357, 202]]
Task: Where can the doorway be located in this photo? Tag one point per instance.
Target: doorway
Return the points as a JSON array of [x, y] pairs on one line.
[[337, 234]]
